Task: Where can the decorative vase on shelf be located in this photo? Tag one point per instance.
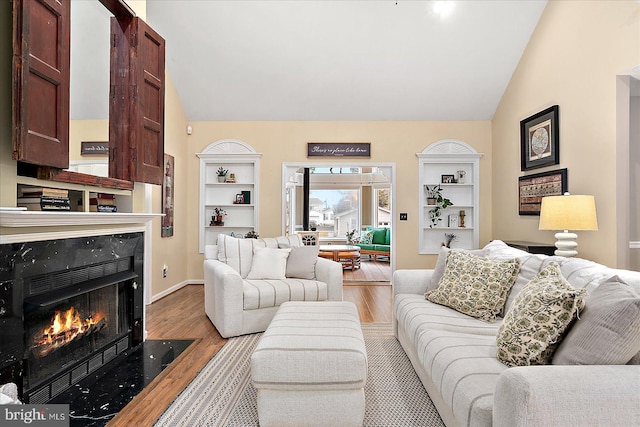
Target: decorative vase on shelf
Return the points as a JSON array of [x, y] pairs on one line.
[[222, 178]]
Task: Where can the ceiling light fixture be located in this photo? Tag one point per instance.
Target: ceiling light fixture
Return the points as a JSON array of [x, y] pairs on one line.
[[443, 8]]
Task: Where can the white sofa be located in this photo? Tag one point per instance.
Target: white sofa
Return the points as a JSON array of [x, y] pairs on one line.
[[238, 304], [455, 356]]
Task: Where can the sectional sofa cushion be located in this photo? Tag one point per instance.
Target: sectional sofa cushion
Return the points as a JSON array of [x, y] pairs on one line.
[[459, 353], [379, 236], [608, 330], [474, 285], [269, 264], [301, 263], [539, 316]]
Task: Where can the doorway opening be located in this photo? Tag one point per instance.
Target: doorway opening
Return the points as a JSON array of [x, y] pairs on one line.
[[342, 203]]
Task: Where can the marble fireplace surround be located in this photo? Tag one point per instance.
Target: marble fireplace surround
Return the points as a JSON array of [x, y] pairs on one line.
[[20, 226]]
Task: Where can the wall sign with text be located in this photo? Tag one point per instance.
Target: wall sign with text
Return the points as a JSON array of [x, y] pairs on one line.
[[94, 147], [338, 149]]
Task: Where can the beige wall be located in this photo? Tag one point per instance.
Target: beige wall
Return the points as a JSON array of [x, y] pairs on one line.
[[390, 142], [173, 251], [571, 60], [7, 165]]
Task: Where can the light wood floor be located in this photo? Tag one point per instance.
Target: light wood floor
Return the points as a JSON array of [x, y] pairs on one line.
[[180, 315], [369, 271]]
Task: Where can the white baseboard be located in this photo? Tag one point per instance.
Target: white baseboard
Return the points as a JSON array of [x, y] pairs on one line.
[[174, 288]]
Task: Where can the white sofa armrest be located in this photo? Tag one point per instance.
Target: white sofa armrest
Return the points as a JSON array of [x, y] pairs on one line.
[[411, 281], [330, 272], [553, 395], [223, 301]]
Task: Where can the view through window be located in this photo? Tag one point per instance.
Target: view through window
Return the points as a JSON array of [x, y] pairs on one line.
[[334, 212]]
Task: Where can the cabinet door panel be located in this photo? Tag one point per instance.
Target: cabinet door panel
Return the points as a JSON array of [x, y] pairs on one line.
[[41, 61], [139, 136]]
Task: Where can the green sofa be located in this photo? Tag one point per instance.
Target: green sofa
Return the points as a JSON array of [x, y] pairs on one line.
[[380, 244]]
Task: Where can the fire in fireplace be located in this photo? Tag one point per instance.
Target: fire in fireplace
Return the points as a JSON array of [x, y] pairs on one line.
[[65, 327]]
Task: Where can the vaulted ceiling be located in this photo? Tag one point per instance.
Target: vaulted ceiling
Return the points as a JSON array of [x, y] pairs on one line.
[[342, 60]]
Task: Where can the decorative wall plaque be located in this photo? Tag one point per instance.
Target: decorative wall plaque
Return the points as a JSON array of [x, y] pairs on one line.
[[339, 149]]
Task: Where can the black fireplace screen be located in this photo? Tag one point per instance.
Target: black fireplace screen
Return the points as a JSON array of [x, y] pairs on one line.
[[60, 334]]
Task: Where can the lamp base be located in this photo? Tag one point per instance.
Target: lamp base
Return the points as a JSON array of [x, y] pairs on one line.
[[566, 244]]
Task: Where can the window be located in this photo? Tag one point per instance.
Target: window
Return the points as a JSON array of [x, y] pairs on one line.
[[383, 205], [333, 212]]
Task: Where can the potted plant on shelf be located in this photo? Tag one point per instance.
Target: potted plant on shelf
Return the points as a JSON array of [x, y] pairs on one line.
[[218, 216], [222, 174], [440, 203], [432, 193]]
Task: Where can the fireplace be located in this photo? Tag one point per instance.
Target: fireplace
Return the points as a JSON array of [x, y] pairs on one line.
[[73, 306]]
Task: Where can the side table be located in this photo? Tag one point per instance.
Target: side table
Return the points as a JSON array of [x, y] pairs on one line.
[[532, 247]]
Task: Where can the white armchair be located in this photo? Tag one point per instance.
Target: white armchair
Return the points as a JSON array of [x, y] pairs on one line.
[[238, 305]]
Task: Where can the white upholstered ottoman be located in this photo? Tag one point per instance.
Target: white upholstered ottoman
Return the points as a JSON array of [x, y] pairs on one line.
[[310, 366]]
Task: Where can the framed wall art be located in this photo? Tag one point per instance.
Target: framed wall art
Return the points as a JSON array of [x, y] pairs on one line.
[[532, 188], [167, 196], [540, 139]]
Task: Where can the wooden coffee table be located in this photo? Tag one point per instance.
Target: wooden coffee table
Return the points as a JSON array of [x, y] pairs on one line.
[[336, 249]]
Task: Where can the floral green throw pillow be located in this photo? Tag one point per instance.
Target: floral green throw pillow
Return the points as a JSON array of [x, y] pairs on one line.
[[367, 237], [538, 318], [474, 285]]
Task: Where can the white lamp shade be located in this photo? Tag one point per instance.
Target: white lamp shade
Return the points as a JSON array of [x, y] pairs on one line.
[[569, 212]]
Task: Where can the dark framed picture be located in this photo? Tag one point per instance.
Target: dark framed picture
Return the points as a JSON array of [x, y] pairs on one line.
[[540, 139], [240, 198], [447, 179], [532, 188]]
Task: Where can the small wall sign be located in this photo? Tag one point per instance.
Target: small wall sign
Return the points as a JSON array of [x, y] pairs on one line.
[[339, 149], [94, 147]]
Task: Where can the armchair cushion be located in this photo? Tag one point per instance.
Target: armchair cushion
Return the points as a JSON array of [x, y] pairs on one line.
[[260, 294], [301, 263], [236, 253], [268, 264]]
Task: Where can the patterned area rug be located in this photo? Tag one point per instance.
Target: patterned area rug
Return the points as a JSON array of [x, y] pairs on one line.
[[222, 394]]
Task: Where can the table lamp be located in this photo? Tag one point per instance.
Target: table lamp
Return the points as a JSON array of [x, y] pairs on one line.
[[566, 213]]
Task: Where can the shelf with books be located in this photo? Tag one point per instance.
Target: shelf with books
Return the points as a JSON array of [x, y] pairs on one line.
[[32, 195]]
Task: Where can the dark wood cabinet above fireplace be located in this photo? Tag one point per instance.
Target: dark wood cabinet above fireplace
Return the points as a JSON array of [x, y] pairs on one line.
[[41, 62]]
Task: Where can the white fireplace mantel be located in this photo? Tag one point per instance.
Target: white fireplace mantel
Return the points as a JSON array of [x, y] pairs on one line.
[[17, 217], [29, 226]]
